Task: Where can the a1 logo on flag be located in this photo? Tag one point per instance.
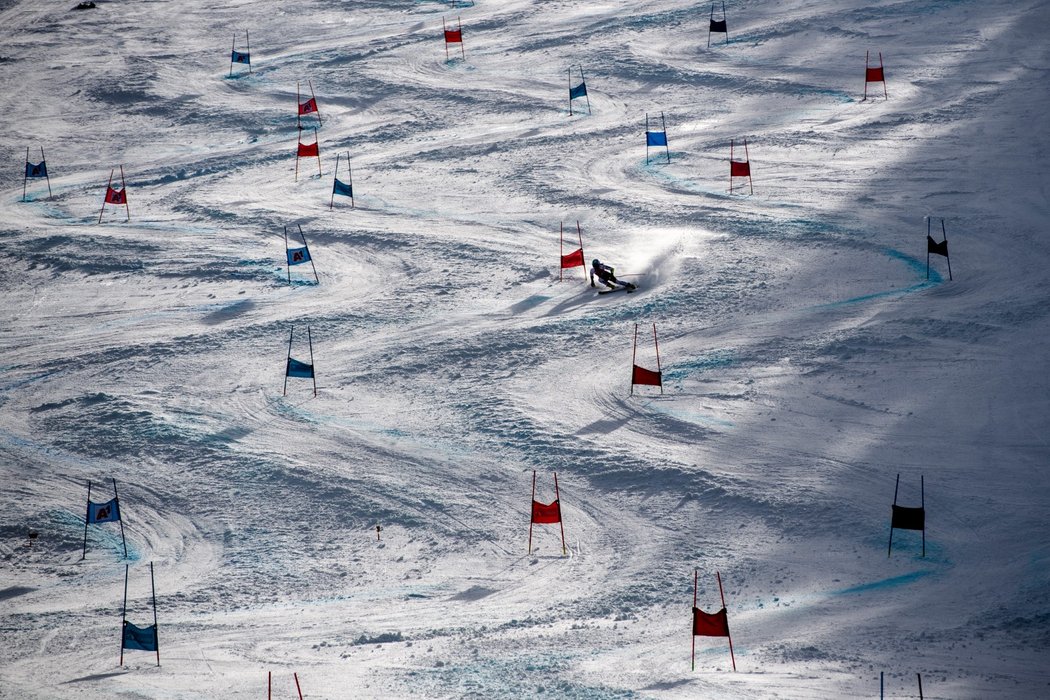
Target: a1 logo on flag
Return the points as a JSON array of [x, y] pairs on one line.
[[107, 512]]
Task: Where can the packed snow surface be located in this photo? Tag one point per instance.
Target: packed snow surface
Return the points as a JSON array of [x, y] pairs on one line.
[[807, 359]]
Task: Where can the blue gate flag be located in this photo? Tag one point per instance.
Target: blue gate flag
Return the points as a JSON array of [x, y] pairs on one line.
[[108, 512], [298, 256], [38, 170], [578, 91], [240, 57], [142, 638], [343, 188], [656, 138], [299, 369]]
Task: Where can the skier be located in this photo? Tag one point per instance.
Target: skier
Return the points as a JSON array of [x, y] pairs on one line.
[[607, 275]]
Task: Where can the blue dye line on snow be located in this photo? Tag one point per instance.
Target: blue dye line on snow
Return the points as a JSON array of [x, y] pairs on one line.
[[916, 265], [884, 583]]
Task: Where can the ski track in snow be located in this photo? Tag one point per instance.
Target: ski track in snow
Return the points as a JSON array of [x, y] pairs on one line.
[[807, 358]]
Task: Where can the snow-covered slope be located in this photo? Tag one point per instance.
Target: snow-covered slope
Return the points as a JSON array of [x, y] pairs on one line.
[[807, 359]]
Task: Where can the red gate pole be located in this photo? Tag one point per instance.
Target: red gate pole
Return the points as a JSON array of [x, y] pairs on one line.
[[298, 143], [658, 370], [561, 521], [124, 189], [730, 166], [747, 158], [866, 53], [269, 685], [318, 144], [561, 251], [108, 185], [883, 67], [313, 97], [298, 108], [692, 627], [583, 261], [530, 508], [634, 355], [729, 636], [296, 676]]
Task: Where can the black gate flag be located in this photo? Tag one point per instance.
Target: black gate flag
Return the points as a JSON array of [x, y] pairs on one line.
[[904, 518], [936, 248]]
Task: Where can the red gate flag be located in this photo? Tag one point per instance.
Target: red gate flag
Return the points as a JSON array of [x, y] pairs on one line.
[[710, 624], [453, 36], [714, 624], [546, 513], [308, 150], [740, 168], [115, 196], [908, 518], [646, 377], [641, 375], [573, 259], [308, 106], [874, 74]]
